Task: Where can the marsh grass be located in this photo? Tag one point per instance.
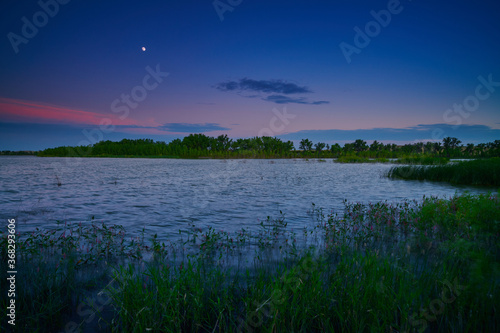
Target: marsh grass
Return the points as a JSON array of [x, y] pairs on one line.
[[429, 265], [410, 159], [477, 172], [359, 159], [57, 268], [422, 160]]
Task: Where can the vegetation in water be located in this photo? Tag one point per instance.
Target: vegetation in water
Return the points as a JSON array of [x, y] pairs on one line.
[[478, 172], [429, 265], [422, 160]]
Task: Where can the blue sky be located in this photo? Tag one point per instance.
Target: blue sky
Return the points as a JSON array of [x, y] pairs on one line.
[[421, 70]]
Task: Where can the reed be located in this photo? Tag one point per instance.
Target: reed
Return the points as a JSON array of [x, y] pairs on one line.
[[485, 172], [422, 160]]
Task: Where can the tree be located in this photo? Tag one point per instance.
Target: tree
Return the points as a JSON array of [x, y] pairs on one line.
[[437, 147], [360, 145], [469, 149], [391, 147], [375, 146], [335, 148], [348, 147], [196, 141], [481, 149], [494, 148], [319, 147], [288, 146], [428, 147], [419, 147], [305, 145], [223, 142], [450, 145]]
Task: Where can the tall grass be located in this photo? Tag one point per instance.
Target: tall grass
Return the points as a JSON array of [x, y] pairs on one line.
[[59, 268], [411, 159], [359, 159], [423, 160], [478, 172], [429, 265]]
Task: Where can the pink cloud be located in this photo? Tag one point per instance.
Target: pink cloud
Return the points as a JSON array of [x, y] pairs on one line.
[[35, 112]]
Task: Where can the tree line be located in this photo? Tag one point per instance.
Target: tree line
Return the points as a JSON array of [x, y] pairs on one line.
[[202, 146], [17, 152]]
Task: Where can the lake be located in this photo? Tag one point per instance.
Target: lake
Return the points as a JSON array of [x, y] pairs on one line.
[[164, 195]]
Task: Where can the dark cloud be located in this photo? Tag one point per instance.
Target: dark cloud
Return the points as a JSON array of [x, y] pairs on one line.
[[263, 86], [192, 128], [180, 127], [276, 91], [421, 132], [280, 99]]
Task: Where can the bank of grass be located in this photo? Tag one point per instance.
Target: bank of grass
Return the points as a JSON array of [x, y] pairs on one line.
[[359, 159], [422, 160], [414, 266], [411, 159], [485, 172]]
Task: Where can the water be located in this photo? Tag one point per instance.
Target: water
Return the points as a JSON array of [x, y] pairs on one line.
[[164, 195]]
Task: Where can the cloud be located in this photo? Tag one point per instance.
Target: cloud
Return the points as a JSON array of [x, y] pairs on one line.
[[192, 128], [421, 132], [280, 99], [173, 127], [17, 110], [276, 91], [263, 86]]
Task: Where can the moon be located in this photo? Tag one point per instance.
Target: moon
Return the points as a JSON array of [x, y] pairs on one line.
[[143, 48]]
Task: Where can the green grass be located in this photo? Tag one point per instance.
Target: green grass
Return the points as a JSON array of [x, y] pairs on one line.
[[422, 160], [477, 172], [358, 159], [413, 159], [406, 267]]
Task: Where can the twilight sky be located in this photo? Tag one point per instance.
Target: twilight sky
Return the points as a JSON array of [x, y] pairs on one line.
[[74, 72]]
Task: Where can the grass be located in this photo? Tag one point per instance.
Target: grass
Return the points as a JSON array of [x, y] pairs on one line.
[[477, 172], [423, 160], [403, 267], [412, 159], [358, 159]]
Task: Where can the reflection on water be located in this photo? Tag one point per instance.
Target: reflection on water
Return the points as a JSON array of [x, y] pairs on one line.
[[164, 195]]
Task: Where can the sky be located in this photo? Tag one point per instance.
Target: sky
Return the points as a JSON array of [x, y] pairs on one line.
[[77, 72]]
